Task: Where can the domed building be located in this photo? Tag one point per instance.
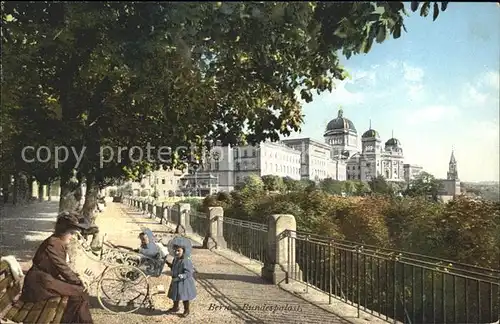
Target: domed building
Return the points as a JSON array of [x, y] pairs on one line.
[[342, 136], [372, 159]]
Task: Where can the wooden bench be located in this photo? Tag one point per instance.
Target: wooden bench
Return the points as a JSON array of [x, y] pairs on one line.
[[12, 310]]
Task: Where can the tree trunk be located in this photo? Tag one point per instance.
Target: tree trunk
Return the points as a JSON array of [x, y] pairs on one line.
[[15, 189], [69, 190], [49, 189], [6, 188], [30, 188], [40, 191], [90, 204]]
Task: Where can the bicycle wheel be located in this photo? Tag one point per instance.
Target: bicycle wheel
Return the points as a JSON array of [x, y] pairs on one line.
[[123, 289]]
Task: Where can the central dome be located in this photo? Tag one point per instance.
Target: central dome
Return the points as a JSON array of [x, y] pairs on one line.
[[340, 124]]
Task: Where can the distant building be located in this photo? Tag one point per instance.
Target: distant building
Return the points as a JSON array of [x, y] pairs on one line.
[[163, 182], [337, 157], [450, 187], [316, 161], [231, 165], [410, 171], [372, 159]]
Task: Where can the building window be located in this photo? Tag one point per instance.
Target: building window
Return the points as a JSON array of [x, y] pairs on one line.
[[276, 168], [237, 179], [162, 181], [245, 153], [236, 153], [217, 165], [238, 166], [368, 165], [254, 153]]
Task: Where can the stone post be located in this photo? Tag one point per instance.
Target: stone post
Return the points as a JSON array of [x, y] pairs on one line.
[[215, 233], [280, 254], [167, 214], [184, 224]]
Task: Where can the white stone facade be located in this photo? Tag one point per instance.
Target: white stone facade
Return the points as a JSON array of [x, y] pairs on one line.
[[339, 157], [237, 163]]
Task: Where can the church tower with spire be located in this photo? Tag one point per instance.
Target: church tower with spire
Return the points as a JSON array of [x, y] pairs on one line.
[[452, 167]]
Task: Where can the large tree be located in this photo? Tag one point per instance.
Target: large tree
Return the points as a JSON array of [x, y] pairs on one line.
[[173, 74], [426, 185]]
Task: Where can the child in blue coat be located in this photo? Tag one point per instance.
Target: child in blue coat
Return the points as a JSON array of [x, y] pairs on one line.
[[182, 288]]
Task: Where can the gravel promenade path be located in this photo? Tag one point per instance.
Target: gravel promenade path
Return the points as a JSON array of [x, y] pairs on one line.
[[227, 292], [23, 228]]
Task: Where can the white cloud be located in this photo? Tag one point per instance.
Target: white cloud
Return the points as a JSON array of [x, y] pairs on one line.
[[491, 79], [415, 91], [341, 95], [481, 90], [430, 114], [485, 129], [472, 95], [476, 145], [412, 73]]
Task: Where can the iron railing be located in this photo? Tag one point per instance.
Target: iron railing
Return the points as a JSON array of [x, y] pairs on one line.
[[394, 285], [173, 216], [246, 238], [199, 223]]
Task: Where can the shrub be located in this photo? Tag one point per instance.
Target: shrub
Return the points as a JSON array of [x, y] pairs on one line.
[[196, 204]]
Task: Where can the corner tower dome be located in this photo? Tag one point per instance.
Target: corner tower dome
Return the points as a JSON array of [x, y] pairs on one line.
[[393, 142], [340, 125]]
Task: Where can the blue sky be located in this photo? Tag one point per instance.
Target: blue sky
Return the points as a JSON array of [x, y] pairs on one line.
[[436, 87]]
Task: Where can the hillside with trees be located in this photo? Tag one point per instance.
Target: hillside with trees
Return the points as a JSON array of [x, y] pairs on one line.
[[462, 230]]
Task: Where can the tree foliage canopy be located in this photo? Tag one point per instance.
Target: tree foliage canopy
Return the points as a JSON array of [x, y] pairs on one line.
[[172, 74]]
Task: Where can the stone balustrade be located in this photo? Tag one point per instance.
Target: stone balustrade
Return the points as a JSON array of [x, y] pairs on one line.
[[343, 270], [279, 252]]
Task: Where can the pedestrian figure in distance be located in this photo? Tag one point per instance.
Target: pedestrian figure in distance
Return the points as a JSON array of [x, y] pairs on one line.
[[182, 288]]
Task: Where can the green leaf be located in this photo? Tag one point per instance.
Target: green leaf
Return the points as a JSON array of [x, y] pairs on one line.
[[367, 45], [339, 32], [424, 11], [414, 6], [435, 14], [397, 31], [9, 18], [381, 33], [226, 8]]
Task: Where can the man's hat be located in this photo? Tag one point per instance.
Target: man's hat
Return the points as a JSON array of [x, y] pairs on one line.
[[71, 219]]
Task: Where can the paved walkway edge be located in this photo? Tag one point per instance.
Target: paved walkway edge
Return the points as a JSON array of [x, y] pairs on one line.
[[312, 295]]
